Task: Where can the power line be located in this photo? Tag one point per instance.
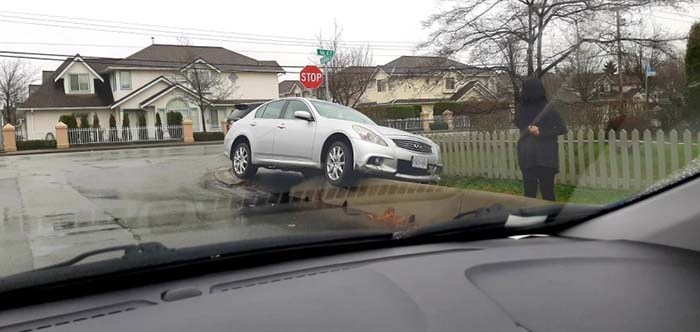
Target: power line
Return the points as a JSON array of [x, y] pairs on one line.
[[201, 30], [167, 33], [142, 46], [149, 62]]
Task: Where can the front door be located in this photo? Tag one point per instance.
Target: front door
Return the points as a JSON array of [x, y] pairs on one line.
[[294, 137], [264, 126]]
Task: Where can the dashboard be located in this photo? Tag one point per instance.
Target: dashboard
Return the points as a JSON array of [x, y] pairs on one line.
[[529, 284]]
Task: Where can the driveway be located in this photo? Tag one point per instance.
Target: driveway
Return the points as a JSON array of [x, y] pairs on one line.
[[55, 206]]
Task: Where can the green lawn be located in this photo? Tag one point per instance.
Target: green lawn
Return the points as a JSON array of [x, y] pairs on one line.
[[564, 193]]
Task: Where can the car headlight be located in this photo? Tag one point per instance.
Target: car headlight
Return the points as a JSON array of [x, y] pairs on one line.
[[368, 135]]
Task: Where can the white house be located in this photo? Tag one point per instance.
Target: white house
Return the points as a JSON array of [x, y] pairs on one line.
[[148, 82]]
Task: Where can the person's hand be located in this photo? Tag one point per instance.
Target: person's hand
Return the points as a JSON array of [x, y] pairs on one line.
[[534, 130]]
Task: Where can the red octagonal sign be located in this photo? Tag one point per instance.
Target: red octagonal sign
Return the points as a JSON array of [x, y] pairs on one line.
[[311, 77]]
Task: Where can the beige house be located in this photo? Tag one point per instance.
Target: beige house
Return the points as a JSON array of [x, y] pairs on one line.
[[427, 80], [293, 88], [149, 82]]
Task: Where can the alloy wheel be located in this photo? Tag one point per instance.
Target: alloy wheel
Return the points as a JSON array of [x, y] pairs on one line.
[[240, 160], [335, 163]]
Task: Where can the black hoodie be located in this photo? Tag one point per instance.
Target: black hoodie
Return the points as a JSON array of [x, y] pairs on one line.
[[541, 151]]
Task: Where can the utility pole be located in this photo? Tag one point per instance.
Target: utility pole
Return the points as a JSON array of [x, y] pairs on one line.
[[620, 81]]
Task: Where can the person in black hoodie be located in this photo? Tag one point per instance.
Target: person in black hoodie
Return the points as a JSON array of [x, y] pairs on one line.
[[540, 124]]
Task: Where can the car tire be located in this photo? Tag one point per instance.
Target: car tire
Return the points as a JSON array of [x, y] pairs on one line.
[[241, 161], [338, 165]]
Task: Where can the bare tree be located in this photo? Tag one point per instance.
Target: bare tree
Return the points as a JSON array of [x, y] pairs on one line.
[[205, 81], [350, 72], [527, 36], [583, 71], [15, 76]]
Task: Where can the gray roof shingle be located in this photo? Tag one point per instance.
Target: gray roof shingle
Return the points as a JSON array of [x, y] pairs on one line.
[[178, 56], [426, 65]]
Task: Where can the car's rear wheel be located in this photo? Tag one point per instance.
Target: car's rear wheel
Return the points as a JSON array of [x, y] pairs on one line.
[[242, 162], [338, 167]]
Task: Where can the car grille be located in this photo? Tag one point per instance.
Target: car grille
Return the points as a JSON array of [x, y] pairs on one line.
[[413, 145], [404, 167]]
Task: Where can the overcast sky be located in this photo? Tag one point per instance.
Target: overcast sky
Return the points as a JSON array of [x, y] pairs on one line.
[[390, 27]]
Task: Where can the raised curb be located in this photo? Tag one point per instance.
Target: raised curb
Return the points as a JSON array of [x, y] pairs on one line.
[[107, 148]]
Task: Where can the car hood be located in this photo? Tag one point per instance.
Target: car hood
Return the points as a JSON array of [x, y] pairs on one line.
[[391, 132]]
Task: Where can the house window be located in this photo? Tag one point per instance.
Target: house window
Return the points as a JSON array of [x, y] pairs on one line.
[[125, 80], [382, 85], [113, 81], [79, 82], [214, 117], [449, 83]]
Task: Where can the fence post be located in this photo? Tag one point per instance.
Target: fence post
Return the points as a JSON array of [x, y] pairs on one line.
[[61, 136], [449, 119], [187, 134], [8, 138], [425, 121]]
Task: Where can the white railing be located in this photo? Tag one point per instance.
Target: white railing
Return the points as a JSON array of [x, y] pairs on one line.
[[122, 135], [416, 124]]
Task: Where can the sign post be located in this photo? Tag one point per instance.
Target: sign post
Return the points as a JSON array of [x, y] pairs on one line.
[[326, 57], [649, 72]]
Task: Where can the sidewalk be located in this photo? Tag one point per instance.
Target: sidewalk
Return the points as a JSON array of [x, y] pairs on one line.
[[109, 147]]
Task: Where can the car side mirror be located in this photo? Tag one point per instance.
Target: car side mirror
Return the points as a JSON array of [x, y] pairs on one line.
[[303, 115]]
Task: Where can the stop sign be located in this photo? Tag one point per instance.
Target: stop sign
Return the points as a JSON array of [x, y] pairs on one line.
[[311, 77]]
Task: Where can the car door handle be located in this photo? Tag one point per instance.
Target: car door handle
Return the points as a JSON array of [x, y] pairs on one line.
[[253, 124], [281, 126]]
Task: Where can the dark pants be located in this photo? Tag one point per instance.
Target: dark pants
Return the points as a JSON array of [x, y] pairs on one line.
[[542, 177]]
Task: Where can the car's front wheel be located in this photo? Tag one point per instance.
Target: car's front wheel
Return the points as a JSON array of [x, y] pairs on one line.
[[338, 167], [241, 160]]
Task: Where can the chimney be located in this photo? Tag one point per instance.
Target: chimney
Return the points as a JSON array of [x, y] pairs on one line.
[[46, 75], [153, 40]]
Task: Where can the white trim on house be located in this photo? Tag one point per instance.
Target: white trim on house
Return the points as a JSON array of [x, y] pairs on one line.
[[140, 68], [78, 58], [140, 90], [200, 60], [165, 92]]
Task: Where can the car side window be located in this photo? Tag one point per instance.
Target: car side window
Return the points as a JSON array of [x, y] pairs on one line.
[[260, 111], [293, 106], [273, 110]]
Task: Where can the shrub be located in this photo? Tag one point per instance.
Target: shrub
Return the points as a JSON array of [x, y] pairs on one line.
[[126, 133], [158, 121], [470, 107], [84, 121], [113, 129], [112, 121], [36, 144], [438, 126], [453, 106], [174, 118], [208, 136], [95, 121], [392, 112], [69, 120], [628, 123], [143, 132], [159, 127]]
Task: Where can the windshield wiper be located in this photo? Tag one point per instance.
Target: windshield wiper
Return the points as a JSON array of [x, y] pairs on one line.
[[130, 252], [499, 218]]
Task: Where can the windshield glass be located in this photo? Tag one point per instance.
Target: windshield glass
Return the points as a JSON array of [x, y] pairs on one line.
[[121, 127], [339, 112]]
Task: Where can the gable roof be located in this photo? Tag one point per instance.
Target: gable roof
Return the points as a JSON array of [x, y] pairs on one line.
[[51, 94], [141, 89], [426, 66], [76, 58], [166, 90], [288, 86], [179, 56]]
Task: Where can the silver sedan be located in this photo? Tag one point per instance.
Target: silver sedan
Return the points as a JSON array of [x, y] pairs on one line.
[[310, 135]]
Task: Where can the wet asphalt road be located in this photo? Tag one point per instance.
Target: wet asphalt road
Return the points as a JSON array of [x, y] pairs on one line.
[[55, 206]]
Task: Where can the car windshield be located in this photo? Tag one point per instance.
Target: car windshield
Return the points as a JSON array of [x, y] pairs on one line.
[[339, 112], [124, 124]]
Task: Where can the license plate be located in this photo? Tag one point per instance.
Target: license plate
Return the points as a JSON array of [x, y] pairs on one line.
[[419, 162]]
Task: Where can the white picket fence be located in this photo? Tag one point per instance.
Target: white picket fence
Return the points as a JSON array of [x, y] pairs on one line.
[[629, 161], [77, 136]]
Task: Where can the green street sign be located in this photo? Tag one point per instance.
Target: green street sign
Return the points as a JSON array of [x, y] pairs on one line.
[[325, 53], [326, 60]]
